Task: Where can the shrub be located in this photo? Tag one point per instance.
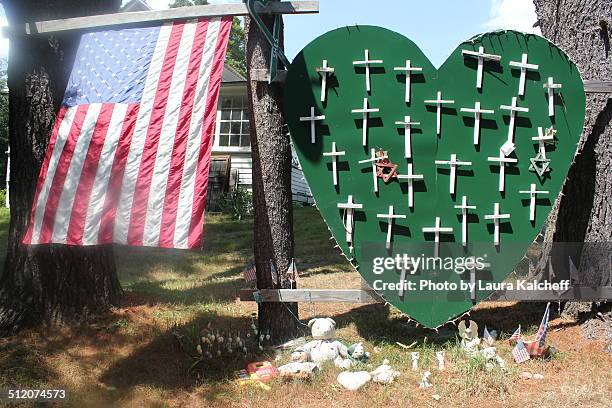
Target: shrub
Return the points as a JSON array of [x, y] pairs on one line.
[[237, 203]]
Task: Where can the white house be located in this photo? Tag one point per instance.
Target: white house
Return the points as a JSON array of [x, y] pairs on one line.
[[231, 165]]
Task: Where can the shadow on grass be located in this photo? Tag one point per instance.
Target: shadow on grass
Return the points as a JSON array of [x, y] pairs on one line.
[[211, 290], [377, 324], [163, 363]]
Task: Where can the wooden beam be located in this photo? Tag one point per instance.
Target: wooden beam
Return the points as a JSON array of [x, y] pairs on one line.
[[180, 13], [261, 75], [598, 86], [363, 296], [311, 295]]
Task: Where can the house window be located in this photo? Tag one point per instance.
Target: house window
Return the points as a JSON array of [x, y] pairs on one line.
[[234, 122]]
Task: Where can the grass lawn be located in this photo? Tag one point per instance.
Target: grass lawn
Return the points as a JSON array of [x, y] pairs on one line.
[[129, 357]]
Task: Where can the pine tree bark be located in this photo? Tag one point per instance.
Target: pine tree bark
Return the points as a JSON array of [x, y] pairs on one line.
[[272, 201], [47, 283], [583, 213]]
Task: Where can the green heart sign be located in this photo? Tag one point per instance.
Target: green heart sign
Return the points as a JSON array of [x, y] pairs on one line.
[[434, 182]]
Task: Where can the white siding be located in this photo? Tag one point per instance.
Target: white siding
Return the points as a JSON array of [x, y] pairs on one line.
[[242, 165]]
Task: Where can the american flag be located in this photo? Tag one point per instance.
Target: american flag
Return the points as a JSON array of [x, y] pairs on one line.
[[520, 353], [249, 273], [516, 335], [129, 154], [537, 347]]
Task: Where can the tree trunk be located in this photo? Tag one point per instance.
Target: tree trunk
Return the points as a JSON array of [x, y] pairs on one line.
[[583, 213], [47, 283], [272, 200]]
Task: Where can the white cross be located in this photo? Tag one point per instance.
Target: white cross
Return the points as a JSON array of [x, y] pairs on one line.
[[439, 102], [502, 160], [407, 135], [436, 231], [390, 217], [477, 111], [496, 216], [349, 221], [542, 140], [551, 86], [410, 177], [481, 59], [373, 159], [324, 71], [334, 155], [313, 120], [408, 70], [464, 207], [532, 200], [509, 147], [453, 164], [524, 66], [365, 111], [367, 62]]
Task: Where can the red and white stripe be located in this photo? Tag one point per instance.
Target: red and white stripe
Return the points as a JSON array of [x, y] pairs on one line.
[[136, 174]]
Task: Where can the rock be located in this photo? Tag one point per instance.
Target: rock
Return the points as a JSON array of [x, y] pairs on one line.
[[538, 377], [436, 397], [526, 375], [353, 381], [489, 366]]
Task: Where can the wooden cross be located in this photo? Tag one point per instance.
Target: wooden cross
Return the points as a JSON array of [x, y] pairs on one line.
[[313, 120], [374, 159], [367, 62], [453, 164], [464, 207], [551, 86], [509, 147], [334, 155], [408, 70], [436, 230], [349, 220], [542, 139], [439, 102], [532, 200], [366, 113], [324, 71], [502, 160], [407, 123], [410, 177], [481, 59], [477, 111], [524, 66], [496, 216], [390, 217]]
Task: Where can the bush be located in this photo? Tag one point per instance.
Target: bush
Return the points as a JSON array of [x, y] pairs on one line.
[[237, 203]]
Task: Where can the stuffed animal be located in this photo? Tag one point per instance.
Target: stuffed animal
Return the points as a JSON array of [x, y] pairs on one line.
[[357, 352], [323, 348], [322, 328]]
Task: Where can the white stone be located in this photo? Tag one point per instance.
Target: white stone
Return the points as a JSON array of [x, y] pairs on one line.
[[353, 381]]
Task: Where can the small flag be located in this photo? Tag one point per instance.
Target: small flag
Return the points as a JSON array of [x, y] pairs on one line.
[[520, 353], [516, 335], [537, 347], [486, 336], [249, 273]]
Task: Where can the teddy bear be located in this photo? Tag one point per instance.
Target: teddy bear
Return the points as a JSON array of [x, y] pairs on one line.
[[323, 347]]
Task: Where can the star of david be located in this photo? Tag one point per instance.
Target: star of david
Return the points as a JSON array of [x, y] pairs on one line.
[[384, 168], [540, 165]]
